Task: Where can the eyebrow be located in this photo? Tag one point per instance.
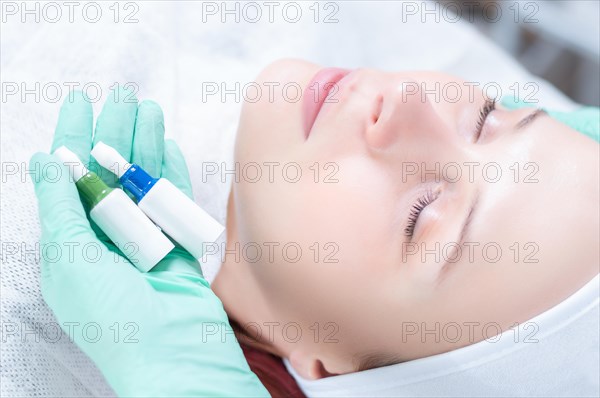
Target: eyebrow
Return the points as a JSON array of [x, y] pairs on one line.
[[464, 232], [530, 118]]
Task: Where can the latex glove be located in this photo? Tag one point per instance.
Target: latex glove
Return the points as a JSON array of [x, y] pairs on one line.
[[585, 119], [162, 333]]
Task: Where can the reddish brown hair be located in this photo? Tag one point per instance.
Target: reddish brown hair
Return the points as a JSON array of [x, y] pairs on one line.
[[268, 367], [272, 373]]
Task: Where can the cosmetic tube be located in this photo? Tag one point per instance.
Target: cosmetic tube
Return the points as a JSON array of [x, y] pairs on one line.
[[116, 214]]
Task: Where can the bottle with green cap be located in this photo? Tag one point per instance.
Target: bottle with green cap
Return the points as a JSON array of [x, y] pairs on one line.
[[115, 213]]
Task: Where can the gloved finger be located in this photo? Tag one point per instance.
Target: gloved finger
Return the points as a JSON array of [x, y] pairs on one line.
[[115, 127], [77, 269], [177, 266], [149, 138], [75, 126], [61, 212], [175, 169], [512, 103]]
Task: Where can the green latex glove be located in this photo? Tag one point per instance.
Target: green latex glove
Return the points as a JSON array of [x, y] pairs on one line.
[[585, 119], [163, 333]]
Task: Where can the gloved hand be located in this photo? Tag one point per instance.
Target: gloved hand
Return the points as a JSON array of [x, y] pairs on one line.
[[161, 333], [585, 119]]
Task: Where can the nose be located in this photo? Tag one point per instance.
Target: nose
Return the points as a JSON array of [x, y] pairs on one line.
[[405, 117]]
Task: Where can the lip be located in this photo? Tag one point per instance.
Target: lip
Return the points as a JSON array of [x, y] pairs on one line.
[[316, 92]]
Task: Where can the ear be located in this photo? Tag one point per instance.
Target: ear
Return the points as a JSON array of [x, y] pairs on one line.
[[308, 366]]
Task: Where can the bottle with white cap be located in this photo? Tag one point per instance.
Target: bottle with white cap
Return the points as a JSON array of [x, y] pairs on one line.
[[118, 216], [178, 215]]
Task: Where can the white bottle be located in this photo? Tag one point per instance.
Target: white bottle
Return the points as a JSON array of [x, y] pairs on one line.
[[178, 215], [116, 214]]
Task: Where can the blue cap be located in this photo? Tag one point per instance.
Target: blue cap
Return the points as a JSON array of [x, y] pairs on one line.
[[137, 181]]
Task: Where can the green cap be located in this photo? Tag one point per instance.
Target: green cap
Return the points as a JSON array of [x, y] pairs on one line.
[[92, 188]]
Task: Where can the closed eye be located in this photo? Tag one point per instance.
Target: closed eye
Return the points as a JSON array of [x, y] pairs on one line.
[[416, 210], [486, 109]]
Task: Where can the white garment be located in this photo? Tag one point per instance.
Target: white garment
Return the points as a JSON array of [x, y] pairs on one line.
[[563, 362]]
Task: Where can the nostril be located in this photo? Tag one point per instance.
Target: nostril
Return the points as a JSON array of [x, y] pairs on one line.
[[378, 106]]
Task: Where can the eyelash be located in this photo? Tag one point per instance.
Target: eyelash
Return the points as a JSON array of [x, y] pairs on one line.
[[416, 210], [486, 109]]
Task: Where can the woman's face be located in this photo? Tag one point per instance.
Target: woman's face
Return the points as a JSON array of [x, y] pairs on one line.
[[411, 231]]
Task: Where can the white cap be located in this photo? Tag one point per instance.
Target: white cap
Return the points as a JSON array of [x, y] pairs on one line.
[[110, 158], [76, 168]]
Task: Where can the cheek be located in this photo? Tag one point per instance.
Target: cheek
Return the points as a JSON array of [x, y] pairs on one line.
[[341, 225], [271, 121], [262, 129]]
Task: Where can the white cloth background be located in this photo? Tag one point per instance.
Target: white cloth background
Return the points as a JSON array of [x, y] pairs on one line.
[[168, 53]]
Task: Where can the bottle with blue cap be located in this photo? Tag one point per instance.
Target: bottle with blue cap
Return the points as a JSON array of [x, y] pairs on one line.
[[178, 215], [116, 214]]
